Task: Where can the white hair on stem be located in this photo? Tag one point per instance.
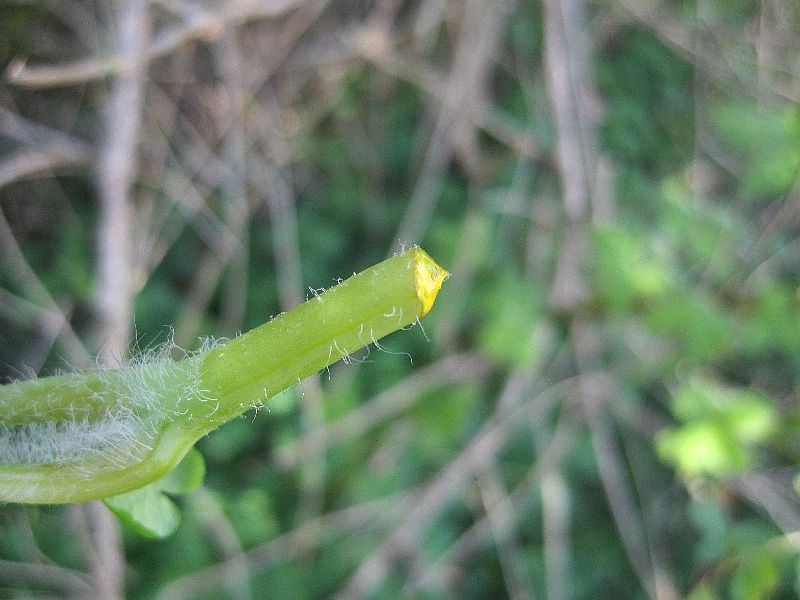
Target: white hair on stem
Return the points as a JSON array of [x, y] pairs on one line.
[[137, 401]]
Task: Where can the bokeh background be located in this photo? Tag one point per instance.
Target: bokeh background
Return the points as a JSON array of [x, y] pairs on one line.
[[603, 402]]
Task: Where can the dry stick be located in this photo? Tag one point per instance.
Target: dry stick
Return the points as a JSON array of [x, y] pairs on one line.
[[234, 187], [556, 515], [777, 500], [210, 514], [480, 533], [200, 25], [53, 149], [471, 247], [429, 80], [224, 245], [28, 163], [193, 204], [278, 46], [305, 538], [48, 323], [27, 279], [566, 60], [45, 149], [564, 86], [481, 29], [555, 521], [46, 576], [665, 586], [225, 237], [161, 224], [595, 396], [499, 507], [385, 406], [116, 170], [475, 458], [717, 66]]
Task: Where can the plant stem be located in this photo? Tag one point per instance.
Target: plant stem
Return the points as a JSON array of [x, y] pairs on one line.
[[79, 437]]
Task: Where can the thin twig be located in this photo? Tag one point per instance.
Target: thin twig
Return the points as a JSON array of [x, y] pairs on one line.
[[210, 514], [306, 537], [28, 281], [478, 455], [595, 396], [500, 511], [481, 29], [199, 25], [480, 534], [385, 406], [45, 576]]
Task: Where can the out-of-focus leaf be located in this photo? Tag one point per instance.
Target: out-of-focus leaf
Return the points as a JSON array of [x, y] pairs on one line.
[[749, 416], [766, 142], [756, 577], [702, 448], [721, 425], [510, 307], [701, 329], [625, 270], [712, 522], [703, 591]]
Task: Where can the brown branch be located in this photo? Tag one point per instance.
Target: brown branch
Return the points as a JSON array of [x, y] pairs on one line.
[[478, 456], [500, 511], [310, 535], [595, 396], [28, 281], [198, 25], [389, 404], [46, 576], [481, 533], [481, 28]]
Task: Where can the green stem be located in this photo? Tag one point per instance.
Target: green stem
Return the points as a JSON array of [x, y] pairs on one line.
[[72, 438]]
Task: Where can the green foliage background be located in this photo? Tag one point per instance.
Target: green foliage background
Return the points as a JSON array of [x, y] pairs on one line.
[[662, 467]]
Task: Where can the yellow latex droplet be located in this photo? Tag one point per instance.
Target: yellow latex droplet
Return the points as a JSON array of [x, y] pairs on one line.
[[429, 277]]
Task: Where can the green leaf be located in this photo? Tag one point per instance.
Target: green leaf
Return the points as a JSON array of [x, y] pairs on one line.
[[148, 511], [702, 591], [712, 522], [721, 426], [702, 448], [756, 578], [746, 414], [765, 141], [186, 477], [511, 308], [626, 270]]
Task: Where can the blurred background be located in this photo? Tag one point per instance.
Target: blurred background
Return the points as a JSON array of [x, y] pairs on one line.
[[603, 402]]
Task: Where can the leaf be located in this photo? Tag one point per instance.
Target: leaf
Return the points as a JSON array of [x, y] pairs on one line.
[[702, 448], [720, 427], [148, 511], [766, 142], [512, 307], [712, 524], [186, 477], [756, 578]]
